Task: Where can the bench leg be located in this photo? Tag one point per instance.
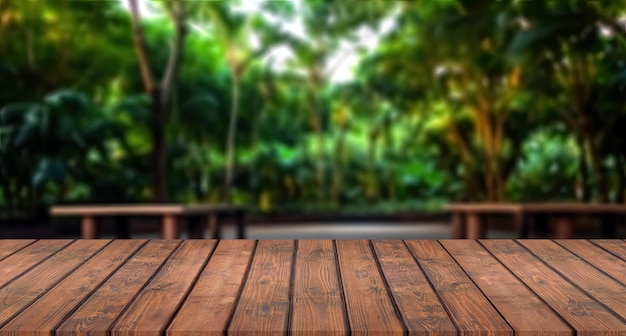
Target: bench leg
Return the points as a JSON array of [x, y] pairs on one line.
[[215, 225], [458, 225], [169, 227], [89, 227], [521, 225], [475, 226]]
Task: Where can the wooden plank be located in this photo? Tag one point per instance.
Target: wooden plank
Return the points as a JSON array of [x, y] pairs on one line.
[[22, 260], [140, 209], [318, 305], [471, 312], [593, 281], [156, 304], [264, 304], [483, 207], [116, 209], [210, 304], [597, 256], [98, 313], [421, 310], [522, 309], [583, 313], [458, 225], [48, 312], [31, 285], [476, 225], [617, 247], [370, 308], [10, 246], [574, 207]]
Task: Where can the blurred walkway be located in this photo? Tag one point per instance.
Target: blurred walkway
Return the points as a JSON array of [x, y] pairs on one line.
[[316, 230], [343, 230]]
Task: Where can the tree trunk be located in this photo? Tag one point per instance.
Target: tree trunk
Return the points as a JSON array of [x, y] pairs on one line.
[[599, 179], [160, 93], [159, 148], [229, 169]]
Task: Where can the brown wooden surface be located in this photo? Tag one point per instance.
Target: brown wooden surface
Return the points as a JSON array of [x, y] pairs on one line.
[[523, 310], [156, 305], [31, 285], [370, 307], [470, 310], [484, 207], [594, 282], [316, 287], [575, 306], [24, 259], [317, 303], [50, 310], [574, 207], [139, 209], [419, 306], [264, 302], [617, 247], [97, 314], [547, 207], [210, 304], [169, 215], [607, 262], [10, 246]]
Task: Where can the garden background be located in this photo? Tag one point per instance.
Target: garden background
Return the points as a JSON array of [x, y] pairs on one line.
[[370, 106]]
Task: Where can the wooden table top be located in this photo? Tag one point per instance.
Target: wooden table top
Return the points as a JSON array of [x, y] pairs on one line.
[[570, 207], [139, 209], [198, 287]]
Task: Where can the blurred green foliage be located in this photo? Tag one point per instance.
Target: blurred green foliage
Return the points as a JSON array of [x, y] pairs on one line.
[[458, 100]]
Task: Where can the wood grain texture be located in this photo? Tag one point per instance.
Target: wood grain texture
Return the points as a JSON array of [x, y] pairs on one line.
[[263, 308], [594, 282], [582, 312], [154, 307], [371, 309], [599, 257], [49, 311], [10, 246], [617, 247], [22, 260], [316, 287], [210, 304], [421, 310], [98, 313], [31, 285], [470, 310], [317, 303], [521, 308]]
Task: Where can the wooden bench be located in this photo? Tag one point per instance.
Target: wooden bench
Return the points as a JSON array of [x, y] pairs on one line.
[[197, 217], [469, 219], [312, 287]]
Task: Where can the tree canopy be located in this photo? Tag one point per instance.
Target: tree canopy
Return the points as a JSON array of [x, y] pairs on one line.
[[311, 104]]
